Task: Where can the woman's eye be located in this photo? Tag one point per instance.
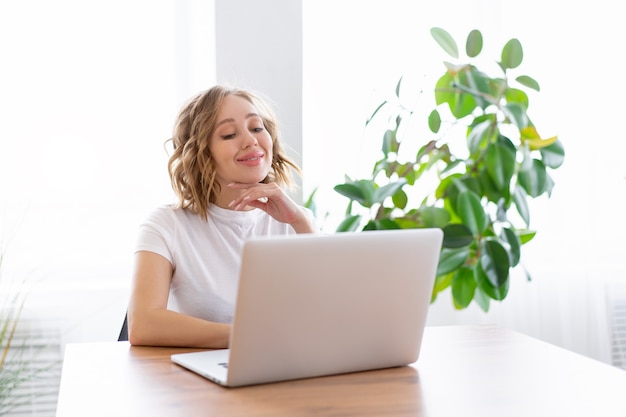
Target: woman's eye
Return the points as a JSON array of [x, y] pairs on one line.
[[228, 136], [258, 129]]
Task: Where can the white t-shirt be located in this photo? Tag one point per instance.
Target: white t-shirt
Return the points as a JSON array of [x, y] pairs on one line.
[[205, 255]]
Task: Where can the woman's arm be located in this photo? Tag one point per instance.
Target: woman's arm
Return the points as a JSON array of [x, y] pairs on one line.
[[150, 323]]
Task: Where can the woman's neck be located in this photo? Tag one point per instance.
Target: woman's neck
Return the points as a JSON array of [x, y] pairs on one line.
[[227, 195]]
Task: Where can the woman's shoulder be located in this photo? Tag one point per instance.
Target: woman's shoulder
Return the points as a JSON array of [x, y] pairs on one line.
[[160, 213], [168, 214]]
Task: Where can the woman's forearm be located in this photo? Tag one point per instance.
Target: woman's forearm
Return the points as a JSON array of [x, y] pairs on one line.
[[169, 328]]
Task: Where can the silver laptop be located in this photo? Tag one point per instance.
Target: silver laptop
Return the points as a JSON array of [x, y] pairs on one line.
[[314, 305]]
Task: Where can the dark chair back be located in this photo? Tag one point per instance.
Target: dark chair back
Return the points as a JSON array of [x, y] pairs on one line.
[[123, 337]]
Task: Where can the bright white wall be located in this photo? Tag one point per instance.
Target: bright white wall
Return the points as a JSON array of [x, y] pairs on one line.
[[259, 46]]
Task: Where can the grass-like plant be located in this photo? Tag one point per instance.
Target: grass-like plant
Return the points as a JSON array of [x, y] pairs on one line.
[[19, 363]]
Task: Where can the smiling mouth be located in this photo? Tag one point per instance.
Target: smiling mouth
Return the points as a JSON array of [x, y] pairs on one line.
[[252, 158]]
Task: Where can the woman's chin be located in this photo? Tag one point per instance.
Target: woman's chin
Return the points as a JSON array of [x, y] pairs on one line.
[[254, 179], [251, 180]]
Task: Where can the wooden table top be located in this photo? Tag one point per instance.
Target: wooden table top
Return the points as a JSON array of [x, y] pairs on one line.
[[462, 370]]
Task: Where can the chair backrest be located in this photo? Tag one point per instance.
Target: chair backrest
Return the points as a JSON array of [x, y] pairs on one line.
[[123, 337]]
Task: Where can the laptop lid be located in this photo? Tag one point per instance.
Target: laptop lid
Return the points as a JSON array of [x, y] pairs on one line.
[[313, 305]]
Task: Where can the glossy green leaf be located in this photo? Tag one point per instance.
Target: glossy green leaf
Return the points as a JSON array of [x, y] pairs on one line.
[[398, 85], [434, 121], [528, 276], [553, 155], [500, 162], [382, 224], [390, 143], [401, 169], [501, 211], [514, 245], [470, 183], [471, 212], [426, 149], [516, 113], [445, 184], [480, 134], [434, 216], [442, 282], [461, 104], [447, 43], [549, 184], [526, 236], [503, 140], [495, 262], [384, 165], [512, 54], [368, 188], [474, 43], [310, 202], [498, 86], [530, 136], [382, 193], [457, 236], [400, 199], [349, 224], [485, 286], [487, 117], [452, 163], [477, 84], [521, 204], [529, 82], [513, 95], [459, 184], [443, 89], [407, 223], [463, 287], [361, 191], [527, 159], [490, 190], [481, 298], [451, 259], [350, 190], [411, 176], [534, 179], [380, 106]]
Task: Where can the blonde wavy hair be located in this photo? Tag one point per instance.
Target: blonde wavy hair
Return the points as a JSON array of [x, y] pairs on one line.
[[191, 166]]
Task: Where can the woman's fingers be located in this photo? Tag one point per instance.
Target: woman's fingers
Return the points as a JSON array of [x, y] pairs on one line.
[[269, 198], [262, 193]]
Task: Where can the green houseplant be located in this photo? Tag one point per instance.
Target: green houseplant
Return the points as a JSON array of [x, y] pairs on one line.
[[480, 194]]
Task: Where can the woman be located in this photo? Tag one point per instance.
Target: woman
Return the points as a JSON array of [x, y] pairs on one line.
[[227, 168]]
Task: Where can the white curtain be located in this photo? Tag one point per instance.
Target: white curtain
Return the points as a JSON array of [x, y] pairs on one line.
[[88, 95]]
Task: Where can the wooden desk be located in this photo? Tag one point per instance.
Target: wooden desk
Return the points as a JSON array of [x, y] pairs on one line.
[[462, 371]]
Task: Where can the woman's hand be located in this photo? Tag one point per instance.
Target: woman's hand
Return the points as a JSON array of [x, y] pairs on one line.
[[274, 201]]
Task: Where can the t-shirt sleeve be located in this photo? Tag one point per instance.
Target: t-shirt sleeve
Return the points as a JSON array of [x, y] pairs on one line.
[[157, 233]]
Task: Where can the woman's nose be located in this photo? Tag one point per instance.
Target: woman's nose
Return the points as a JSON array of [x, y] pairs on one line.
[[249, 140]]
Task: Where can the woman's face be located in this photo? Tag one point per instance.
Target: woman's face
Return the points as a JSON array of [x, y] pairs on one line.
[[240, 145]]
